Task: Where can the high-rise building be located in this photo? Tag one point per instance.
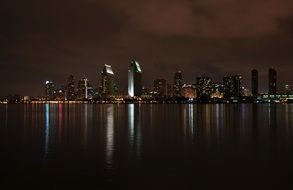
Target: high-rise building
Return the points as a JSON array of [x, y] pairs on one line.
[[232, 87], [109, 86], [178, 82], [71, 88], [254, 82], [50, 91], [160, 86], [204, 87], [82, 89], [134, 79], [272, 81]]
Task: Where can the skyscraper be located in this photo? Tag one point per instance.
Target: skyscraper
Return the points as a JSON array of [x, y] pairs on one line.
[[178, 82], [160, 86], [254, 82], [82, 89], [134, 79], [204, 87], [272, 81], [108, 81], [232, 87], [49, 90], [71, 88]]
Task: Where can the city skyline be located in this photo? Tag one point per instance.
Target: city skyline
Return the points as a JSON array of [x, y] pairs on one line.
[[51, 39]]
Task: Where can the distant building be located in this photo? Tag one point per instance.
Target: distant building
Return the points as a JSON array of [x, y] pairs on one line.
[[82, 89], [189, 91], [178, 82], [160, 86], [254, 82], [71, 95], [272, 81], [134, 79], [217, 91], [49, 90], [109, 87], [288, 89], [232, 87], [204, 87]]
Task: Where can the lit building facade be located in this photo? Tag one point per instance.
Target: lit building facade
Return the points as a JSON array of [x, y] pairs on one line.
[[82, 89], [217, 91], [178, 82], [272, 81], [49, 90], [232, 87], [189, 91], [134, 79], [109, 86], [254, 82], [204, 87]]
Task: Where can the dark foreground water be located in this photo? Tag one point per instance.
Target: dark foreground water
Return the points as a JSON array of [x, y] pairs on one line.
[[242, 146]]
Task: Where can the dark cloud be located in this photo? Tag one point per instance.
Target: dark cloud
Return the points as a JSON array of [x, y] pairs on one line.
[[43, 40]]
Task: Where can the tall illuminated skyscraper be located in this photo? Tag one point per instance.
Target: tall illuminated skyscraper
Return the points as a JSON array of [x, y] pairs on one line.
[[134, 79], [178, 82], [50, 91], [108, 81], [254, 82], [272, 81]]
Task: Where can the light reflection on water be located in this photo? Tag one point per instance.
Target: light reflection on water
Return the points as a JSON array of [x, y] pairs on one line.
[[109, 136], [150, 140]]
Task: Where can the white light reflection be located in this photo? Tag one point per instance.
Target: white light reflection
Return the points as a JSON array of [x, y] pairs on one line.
[[47, 127], [110, 137], [131, 123], [191, 120]]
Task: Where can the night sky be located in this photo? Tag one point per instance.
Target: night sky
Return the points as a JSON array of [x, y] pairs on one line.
[[49, 39]]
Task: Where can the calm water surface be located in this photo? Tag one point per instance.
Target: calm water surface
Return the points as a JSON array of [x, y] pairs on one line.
[[60, 146]]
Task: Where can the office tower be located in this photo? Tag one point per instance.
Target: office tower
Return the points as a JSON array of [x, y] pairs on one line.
[[49, 89], [134, 79], [109, 86], [272, 81], [178, 82], [254, 82], [204, 87], [71, 88], [82, 89], [232, 87], [160, 86]]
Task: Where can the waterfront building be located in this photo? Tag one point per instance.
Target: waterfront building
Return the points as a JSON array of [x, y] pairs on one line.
[[109, 87], [160, 86], [71, 94], [232, 87], [49, 90], [134, 79], [189, 91], [204, 87], [178, 82], [254, 82], [82, 89], [217, 91], [272, 81]]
